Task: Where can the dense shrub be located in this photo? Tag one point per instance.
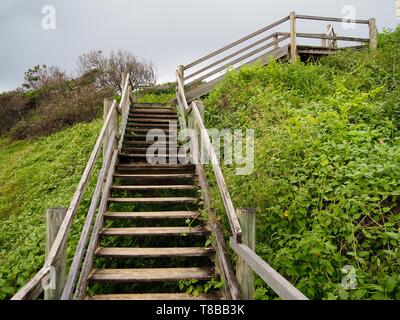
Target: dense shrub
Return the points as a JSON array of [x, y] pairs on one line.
[[326, 183]]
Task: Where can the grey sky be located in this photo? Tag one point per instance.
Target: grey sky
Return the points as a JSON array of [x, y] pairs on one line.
[[166, 32]]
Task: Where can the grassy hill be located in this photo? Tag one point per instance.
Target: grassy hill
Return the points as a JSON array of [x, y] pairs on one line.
[[35, 175], [326, 183]]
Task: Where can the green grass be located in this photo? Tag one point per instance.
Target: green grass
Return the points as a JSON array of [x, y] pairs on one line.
[[35, 175], [326, 183]]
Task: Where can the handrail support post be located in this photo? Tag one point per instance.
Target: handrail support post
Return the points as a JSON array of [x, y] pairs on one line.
[[244, 274], [293, 42], [373, 34]]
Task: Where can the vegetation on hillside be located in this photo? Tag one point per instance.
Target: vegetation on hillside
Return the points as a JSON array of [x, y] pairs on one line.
[[36, 175], [326, 183]]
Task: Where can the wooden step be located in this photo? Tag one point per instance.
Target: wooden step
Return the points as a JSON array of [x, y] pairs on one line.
[[155, 116], [143, 137], [151, 215], [150, 275], [154, 296], [147, 166], [151, 120], [154, 231], [155, 188], [152, 252], [147, 143], [165, 131], [156, 176], [153, 110], [169, 200]]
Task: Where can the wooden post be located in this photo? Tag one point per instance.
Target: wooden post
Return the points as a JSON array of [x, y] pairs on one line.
[[293, 38], [275, 41], [54, 219], [373, 34], [181, 73], [106, 108], [244, 274]]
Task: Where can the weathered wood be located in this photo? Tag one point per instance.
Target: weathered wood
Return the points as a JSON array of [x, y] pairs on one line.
[[274, 44], [373, 34], [244, 273], [293, 38], [155, 231], [151, 215], [107, 104], [93, 243], [306, 17], [226, 198], [124, 106], [34, 288], [234, 62], [54, 219], [182, 104], [203, 89], [80, 249], [328, 37], [231, 285], [66, 225], [233, 44], [154, 253], [148, 275], [154, 296], [155, 188], [154, 200], [272, 278]]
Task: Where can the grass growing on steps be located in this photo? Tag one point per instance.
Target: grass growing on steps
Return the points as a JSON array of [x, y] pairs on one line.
[[35, 175], [326, 183]]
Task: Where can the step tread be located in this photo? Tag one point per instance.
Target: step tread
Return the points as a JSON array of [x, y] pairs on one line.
[[158, 187], [154, 296], [152, 215], [156, 175], [153, 252], [154, 274], [155, 231], [154, 200]]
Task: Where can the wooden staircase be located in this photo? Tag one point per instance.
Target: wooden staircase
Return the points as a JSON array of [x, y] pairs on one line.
[[154, 234]]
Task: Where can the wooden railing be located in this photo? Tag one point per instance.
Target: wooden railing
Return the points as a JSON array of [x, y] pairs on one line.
[[111, 131], [266, 43], [272, 278]]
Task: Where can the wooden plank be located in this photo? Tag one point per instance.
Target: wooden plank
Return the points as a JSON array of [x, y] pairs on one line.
[[154, 231], [231, 285], [235, 43], [155, 296], [226, 198], [234, 62], [80, 249], [207, 87], [293, 38], [156, 176], [66, 225], [54, 219], [283, 288], [155, 188], [33, 288], [274, 43], [87, 264], [152, 215], [150, 275], [119, 253], [373, 34], [244, 273], [316, 18], [328, 37], [169, 200]]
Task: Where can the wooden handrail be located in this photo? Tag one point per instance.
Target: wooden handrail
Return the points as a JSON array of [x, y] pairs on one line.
[[234, 54], [33, 288], [283, 288], [328, 37], [331, 19], [233, 44], [226, 197], [236, 61]]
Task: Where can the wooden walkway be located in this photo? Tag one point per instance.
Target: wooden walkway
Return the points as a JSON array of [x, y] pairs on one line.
[[150, 228]]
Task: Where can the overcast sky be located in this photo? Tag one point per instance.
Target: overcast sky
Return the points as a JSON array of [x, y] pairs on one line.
[[167, 32]]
